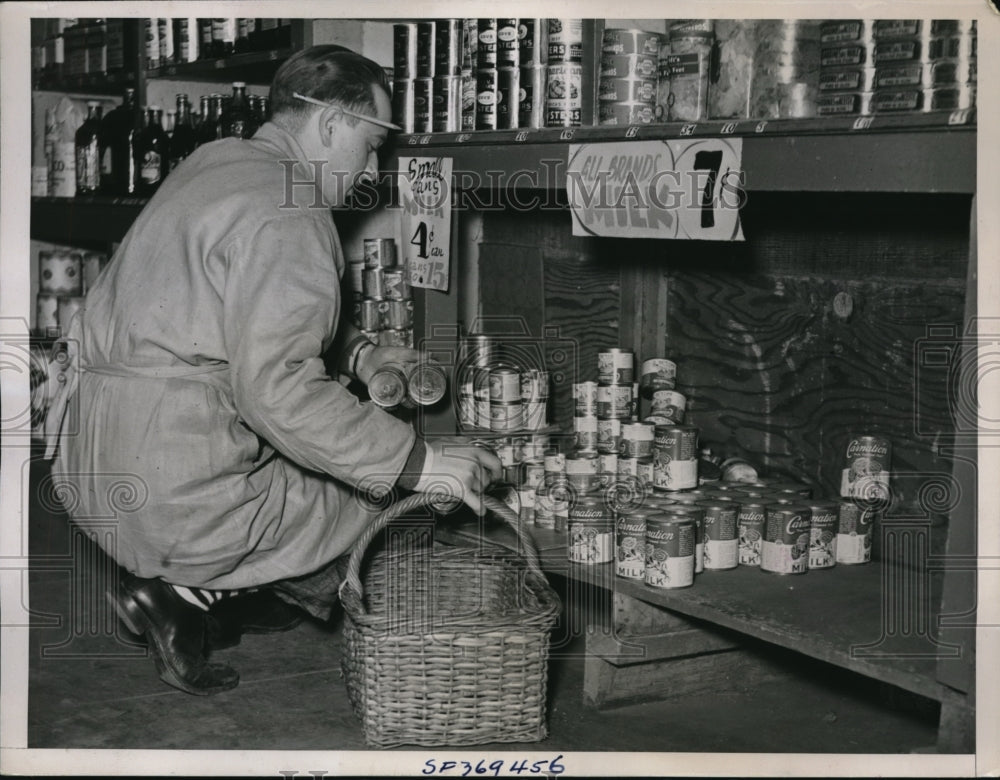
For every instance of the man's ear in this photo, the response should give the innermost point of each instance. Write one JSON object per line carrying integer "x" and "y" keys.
{"x": 329, "y": 120}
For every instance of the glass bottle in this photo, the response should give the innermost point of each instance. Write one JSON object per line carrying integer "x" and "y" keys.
{"x": 184, "y": 140}
{"x": 120, "y": 132}
{"x": 223, "y": 36}
{"x": 152, "y": 153}
{"x": 237, "y": 119}
{"x": 88, "y": 154}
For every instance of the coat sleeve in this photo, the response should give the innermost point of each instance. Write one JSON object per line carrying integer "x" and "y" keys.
{"x": 281, "y": 304}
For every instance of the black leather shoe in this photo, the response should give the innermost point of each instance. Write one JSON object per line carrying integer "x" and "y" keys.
{"x": 175, "y": 634}
{"x": 260, "y": 612}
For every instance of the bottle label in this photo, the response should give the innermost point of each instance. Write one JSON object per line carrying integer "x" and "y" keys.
{"x": 224, "y": 30}
{"x": 62, "y": 181}
{"x": 150, "y": 171}
{"x": 88, "y": 175}
{"x": 237, "y": 129}
{"x": 106, "y": 162}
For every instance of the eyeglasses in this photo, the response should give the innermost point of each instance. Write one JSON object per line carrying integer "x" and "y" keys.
{"x": 363, "y": 117}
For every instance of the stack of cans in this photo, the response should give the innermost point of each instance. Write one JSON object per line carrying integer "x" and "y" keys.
{"x": 498, "y": 74}
{"x": 897, "y": 65}
{"x": 383, "y": 298}
{"x": 564, "y": 78}
{"x": 630, "y": 99}
{"x": 428, "y": 60}
{"x": 785, "y": 81}
{"x": 496, "y": 394}
{"x": 64, "y": 277}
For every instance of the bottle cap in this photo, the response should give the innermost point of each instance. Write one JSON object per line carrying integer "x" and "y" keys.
{"x": 154, "y": 108}
{"x": 240, "y": 84}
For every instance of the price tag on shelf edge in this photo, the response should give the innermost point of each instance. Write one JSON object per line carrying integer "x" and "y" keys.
{"x": 679, "y": 189}
{"x": 425, "y": 197}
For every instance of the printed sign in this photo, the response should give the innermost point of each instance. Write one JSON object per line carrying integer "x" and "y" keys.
{"x": 657, "y": 189}
{"x": 425, "y": 198}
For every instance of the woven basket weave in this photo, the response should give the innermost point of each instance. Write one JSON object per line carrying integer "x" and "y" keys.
{"x": 447, "y": 646}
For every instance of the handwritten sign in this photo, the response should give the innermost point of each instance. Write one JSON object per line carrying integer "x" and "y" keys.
{"x": 425, "y": 194}
{"x": 678, "y": 189}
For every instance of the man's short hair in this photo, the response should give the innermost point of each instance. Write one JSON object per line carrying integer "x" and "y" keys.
{"x": 331, "y": 73}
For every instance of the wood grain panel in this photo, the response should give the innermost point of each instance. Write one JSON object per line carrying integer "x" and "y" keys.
{"x": 582, "y": 302}
{"x": 772, "y": 373}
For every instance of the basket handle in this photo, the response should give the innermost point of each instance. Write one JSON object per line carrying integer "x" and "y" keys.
{"x": 352, "y": 579}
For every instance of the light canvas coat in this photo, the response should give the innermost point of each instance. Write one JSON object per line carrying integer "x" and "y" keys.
{"x": 202, "y": 383}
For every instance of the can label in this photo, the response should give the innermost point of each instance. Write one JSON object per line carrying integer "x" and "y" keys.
{"x": 785, "y": 549}
{"x": 423, "y": 105}
{"x": 839, "y": 32}
{"x": 585, "y": 429}
{"x": 675, "y": 458}
{"x": 615, "y": 367}
{"x": 846, "y": 103}
{"x": 578, "y": 465}
{"x": 843, "y": 55}
{"x": 900, "y": 100}
{"x": 505, "y": 416}
{"x": 403, "y": 107}
{"x": 669, "y": 404}
{"x": 508, "y": 98}
{"x": 848, "y": 79}
{"x": 563, "y": 104}
{"x": 623, "y": 90}
{"x": 897, "y": 50}
{"x": 566, "y": 40}
{"x": 617, "y": 41}
{"x": 487, "y": 95}
{"x": 447, "y": 104}
{"x": 505, "y": 386}
{"x": 379, "y": 252}
{"x": 637, "y": 440}
{"x": 534, "y": 385}
{"x": 531, "y": 96}
{"x": 486, "y": 52}
{"x": 854, "y": 533}
{"x": 373, "y": 283}
{"x": 752, "y": 519}
{"x": 426, "y": 38}
{"x": 532, "y": 41}
{"x": 397, "y": 314}
{"x": 643, "y": 66}
{"x": 448, "y": 47}
{"x": 641, "y": 468}
{"x": 961, "y": 47}
{"x": 823, "y": 537}
{"x": 507, "y": 44}
{"x": 896, "y": 28}
{"x": 533, "y": 473}
{"x": 630, "y": 546}
{"x": 670, "y": 553}
{"x": 469, "y": 103}
{"x": 866, "y": 468}
{"x": 721, "y": 541}
{"x": 614, "y": 401}
{"x": 402, "y": 337}
{"x": 585, "y": 398}
{"x": 367, "y": 315}
{"x": 658, "y": 374}
{"x": 607, "y": 463}
{"x": 626, "y": 113}
{"x": 555, "y": 463}
{"x": 609, "y": 434}
{"x": 397, "y": 285}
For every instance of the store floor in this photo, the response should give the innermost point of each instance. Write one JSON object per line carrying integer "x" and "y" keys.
{"x": 91, "y": 687}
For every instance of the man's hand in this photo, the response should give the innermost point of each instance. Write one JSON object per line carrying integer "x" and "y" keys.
{"x": 373, "y": 358}
{"x": 460, "y": 471}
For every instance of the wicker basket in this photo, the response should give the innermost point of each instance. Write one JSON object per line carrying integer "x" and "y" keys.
{"x": 447, "y": 646}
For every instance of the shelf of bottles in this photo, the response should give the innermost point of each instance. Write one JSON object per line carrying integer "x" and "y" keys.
{"x": 84, "y": 56}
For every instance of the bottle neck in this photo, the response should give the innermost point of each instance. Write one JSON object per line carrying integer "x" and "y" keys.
{"x": 239, "y": 96}
{"x": 183, "y": 116}
{"x": 94, "y": 113}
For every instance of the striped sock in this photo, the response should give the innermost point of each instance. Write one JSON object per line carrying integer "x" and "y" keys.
{"x": 202, "y": 597}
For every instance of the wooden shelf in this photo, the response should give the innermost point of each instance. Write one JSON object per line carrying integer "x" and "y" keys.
{"x": 110, "y": 84}
{"x": 84, "y": 218}
{"x": 256, "y": 67}
{"x": 833, "y": 615}
{"x": 932, "y": 152}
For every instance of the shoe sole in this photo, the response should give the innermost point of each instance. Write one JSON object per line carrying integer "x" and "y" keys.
{"x": 135, "y": 620}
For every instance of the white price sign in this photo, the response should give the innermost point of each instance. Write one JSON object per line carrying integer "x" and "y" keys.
{"x": 425, "y": 198}
{"x": 657, "y": 189}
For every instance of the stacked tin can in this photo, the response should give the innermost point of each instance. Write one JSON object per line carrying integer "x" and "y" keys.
{"x": 631, "y": 99}
{"x": 888, "y": 66}
{"x": 382, "y": 296}
{"x": 564, "y": 76}
{"x": 684, "y": 66}
{"x": 428, "y": 59}
{"x": 64, "y": 277}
